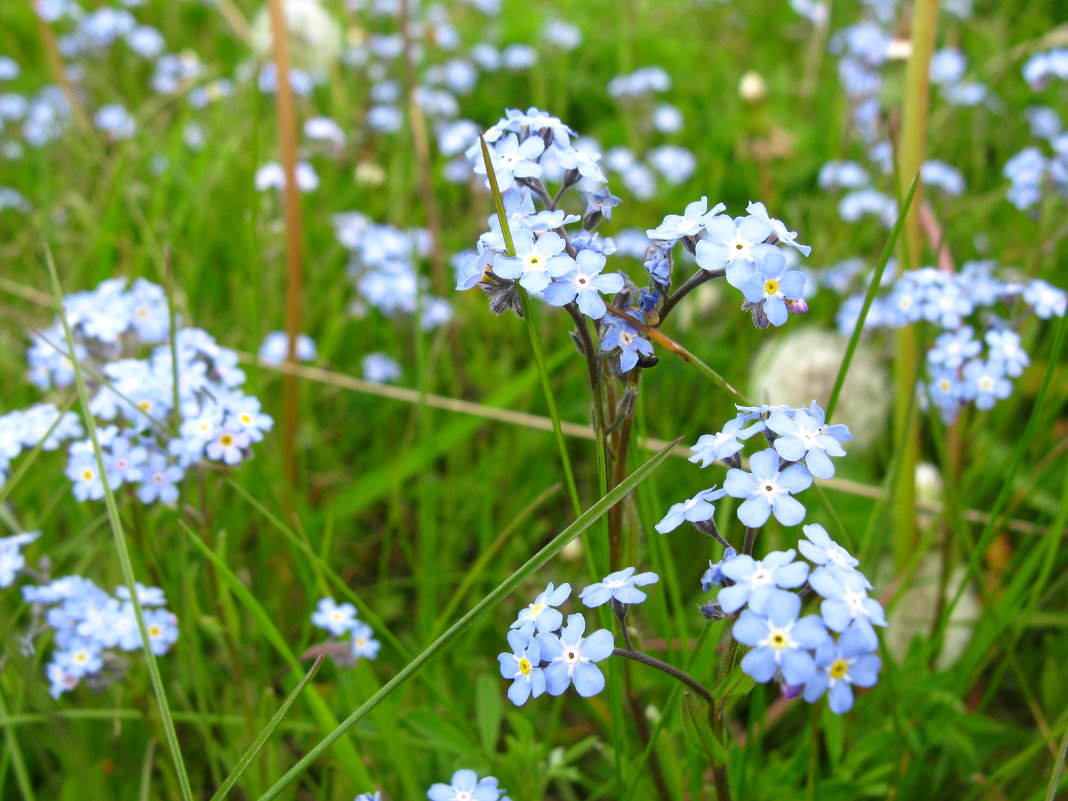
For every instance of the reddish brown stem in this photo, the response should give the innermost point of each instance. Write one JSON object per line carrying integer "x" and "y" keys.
{"x": 287, "y": 129}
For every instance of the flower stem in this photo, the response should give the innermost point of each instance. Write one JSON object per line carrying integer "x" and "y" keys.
{"x": 287, "y": 132}
{"x": 664, "y": 667}
{"x": 691, "y": 284}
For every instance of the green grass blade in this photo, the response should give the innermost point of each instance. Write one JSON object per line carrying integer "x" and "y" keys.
{"x": 873, "y": 288}
{"x": 326, "y": 719}
{"x": 22, "y": 776}
{"x": 535, "y": 339}
{"x": 557, "y": 544}
{"x": 268, "y": 730}
{"x": 120, "y": 544}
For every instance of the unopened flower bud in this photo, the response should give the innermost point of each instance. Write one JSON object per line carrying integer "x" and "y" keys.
{"x": 799, "y": 306}
{"x": 713, "y": 611}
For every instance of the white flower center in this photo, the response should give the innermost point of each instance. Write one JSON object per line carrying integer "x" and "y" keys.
{"x": 778, "y": 639}
{"x": 761, "y": 576}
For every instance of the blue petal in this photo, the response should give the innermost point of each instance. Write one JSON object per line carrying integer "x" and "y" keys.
{"x": 797, "y": 666}
{"x": 788, "y": 510}
{"x": 740, "y": 568}
{"x": 765, "y": 464}
{"x": 630, "y": 595}
{"x": 775, "y": 309}
{"x": 556, "y": 678}
{"x": 816, "y": 686}
{"x": 750, "y": 628}
{"x": 534, "y": 282}
{"x": 591, "y": 305}
{"x": 595, "y": 595}
{"x": 791, "y": 576}
{"x": 795, "y": 478}
{"x": 560, "y": 293}
{"x": 588, "y": 679}
{"x": 508, "y": 665}
{"x": 792, "y": 449}
{"x": 836, "y": 614}
{"x": 826, "y": 582}
{"x": 598, "y": 645}
{"x": 551, "y": 647}
{"x": 783, "y": 607}
{"x": 755, "y": 511}
{"x": 760, "y": 664}
{"x": 733, "y": 598}
{"x": 549, "y": 620}
{"x": 819, "y": 464}
{"x": 739, "y": 483}
{"x": 865, "y": 671}
{"x": 792, "y": 284}
{"x": 559, "y": 595}
{"x": 519, "y": 692}
{"x": 810, "y": 631}
{"x": 840, "y": 697}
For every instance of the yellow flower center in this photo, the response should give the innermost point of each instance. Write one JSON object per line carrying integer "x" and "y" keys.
{"x": 154, "y": 630}
{"x": 226, "y": 440}
{"x": 839, "y": 668}
{"x": 246, "y": 418}
{"x": 778, "y": 640}
{"x": 524, "y": 666}
{"x": 145, "y": 405}
{"x": 771, "y": 287}
{"x": 88, "y": 475}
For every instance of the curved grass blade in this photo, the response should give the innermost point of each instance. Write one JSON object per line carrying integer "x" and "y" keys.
{"x": 324, "y": 717}
{"x": 584, "y": 521}
{"x": 268, "y": 730}
{"x": 532, "y": 330}
{"x": 869, "y": 296}
{"x": 120, "y": 544}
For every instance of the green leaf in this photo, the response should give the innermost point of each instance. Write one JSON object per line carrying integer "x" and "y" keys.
{"x": 697, "y": 733}
{"x": 488, "y": 711}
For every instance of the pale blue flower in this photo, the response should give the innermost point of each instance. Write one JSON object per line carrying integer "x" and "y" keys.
{"x": 571, "y": 657}
{"x": 522, "y": 666}
{"x": 840, "y": 667}
{"x": 780, "y": 639}
{"x": 621, "y": 586}
{"x": 767, "y": 490}
{"x": 755, "y": 581}
{"x": 541, "y": 614}
{"x": 694, "y": 510}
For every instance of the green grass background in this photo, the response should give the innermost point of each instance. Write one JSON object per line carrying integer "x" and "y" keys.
{"x": 400, "y": 500}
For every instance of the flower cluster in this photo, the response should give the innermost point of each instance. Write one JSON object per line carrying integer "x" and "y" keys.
{"x": 90, "y": 628}
{"x": 567, "y": 268}
{"x": 340, "y": 621}
{"x": 979, "y": 350}
{"x": 1032, "y": 173}
{"x": 800, "y": 651}
{"x": 548, "y": 655}
{"x": 383, "y": 264}
{"x": 11, "y": 557}
{"x": 801, "y": 444}
{"x": 150, "y": 432}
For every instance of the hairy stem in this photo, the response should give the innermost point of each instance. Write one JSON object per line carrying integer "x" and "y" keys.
{"x": 691, "y": 284}
{"x": 664, "y": 667}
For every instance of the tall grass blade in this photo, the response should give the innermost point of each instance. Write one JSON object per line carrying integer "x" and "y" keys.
{"x": 120, "y": 543}
{"x": 584, "y": 521}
